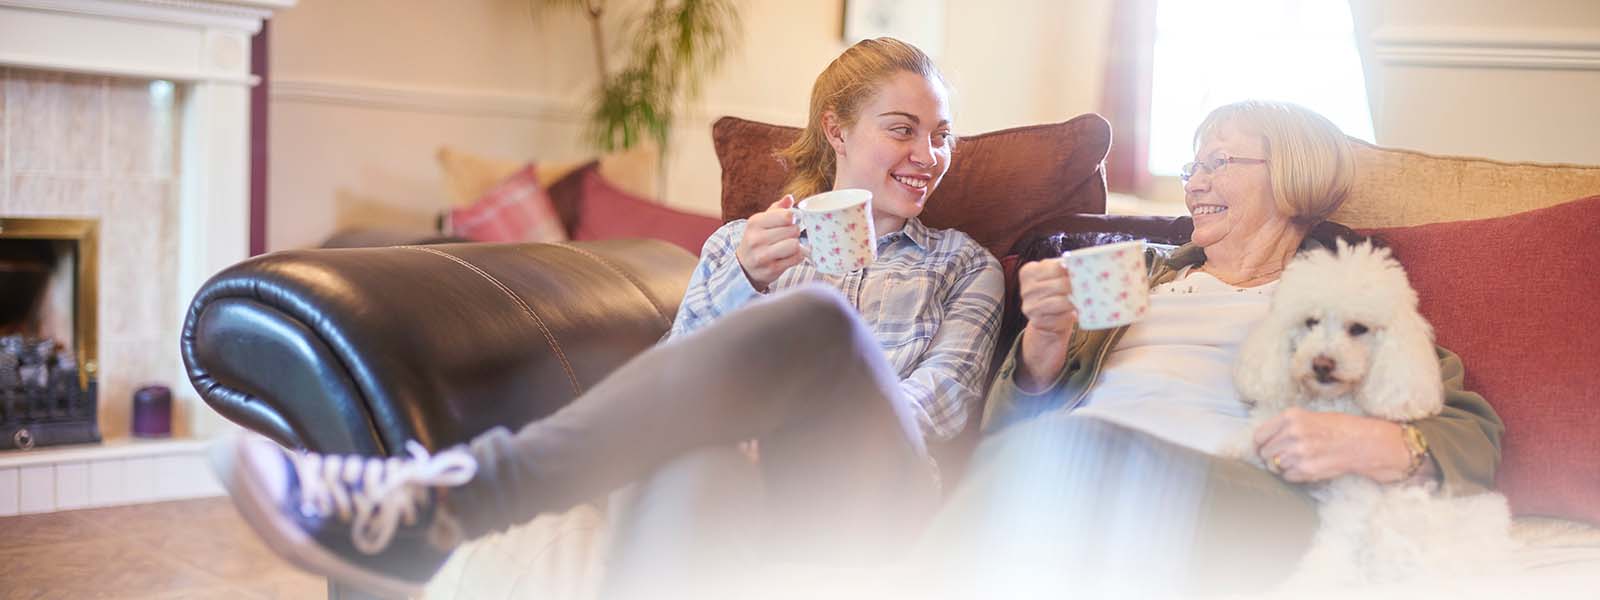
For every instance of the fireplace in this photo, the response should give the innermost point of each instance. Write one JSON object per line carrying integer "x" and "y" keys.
{"x": 48, "y": 364}
{"x": 132, "y": 114}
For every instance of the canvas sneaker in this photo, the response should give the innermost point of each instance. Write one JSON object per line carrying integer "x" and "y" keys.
{"x": 360, "y": 520}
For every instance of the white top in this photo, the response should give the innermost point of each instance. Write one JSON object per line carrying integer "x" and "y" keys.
{"x": 1171, "y": 374}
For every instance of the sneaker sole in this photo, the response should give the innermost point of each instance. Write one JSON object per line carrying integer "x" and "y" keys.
{"x": 284, "y": 537}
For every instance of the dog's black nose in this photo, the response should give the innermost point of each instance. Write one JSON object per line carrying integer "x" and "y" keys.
{"x": 1323, "y": 367}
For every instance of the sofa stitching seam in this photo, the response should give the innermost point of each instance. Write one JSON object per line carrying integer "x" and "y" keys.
{"x": 544, "y": 329}
{"x": 660, "y": 310}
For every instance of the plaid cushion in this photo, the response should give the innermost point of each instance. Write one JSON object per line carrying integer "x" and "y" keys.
{"x": 515, "y": 210}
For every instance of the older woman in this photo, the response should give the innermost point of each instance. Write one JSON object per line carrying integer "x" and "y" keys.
{"x": 1113, "y": 433}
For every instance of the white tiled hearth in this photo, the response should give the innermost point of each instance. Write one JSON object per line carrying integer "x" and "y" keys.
{"x": 121, "y": 471}
{"x": 135, "y": 113}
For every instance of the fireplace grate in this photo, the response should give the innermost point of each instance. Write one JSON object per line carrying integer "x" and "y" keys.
{"x": 44, "y": 400}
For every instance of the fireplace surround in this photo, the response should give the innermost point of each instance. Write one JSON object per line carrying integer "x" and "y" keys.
{"x": 177, "y": 213}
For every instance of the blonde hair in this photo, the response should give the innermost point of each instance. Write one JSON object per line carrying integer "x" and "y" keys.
{"x": 849, "y": 82}
{"x": 1309, "y": 160}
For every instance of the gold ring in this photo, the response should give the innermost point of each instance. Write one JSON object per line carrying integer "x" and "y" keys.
{"x": 1276, "y": 466}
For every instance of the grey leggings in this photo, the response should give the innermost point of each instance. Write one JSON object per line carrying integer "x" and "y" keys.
{"x": 843, "y": 466}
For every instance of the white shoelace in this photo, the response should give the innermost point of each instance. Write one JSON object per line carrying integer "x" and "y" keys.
{"x": 376, "y": 495}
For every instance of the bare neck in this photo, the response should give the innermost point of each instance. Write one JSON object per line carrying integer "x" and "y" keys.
{"x": 883, "y": 225}
{"x": 1256, "y": 260}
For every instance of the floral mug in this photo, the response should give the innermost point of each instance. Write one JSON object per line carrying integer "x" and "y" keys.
{"x": 839, "y": 230}
{"x": 1110, "y": 285}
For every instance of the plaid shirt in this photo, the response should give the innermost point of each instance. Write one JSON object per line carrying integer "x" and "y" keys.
{"x": 933, "y": 299}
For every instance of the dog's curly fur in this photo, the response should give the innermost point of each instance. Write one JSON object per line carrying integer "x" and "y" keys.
{"x": 1343, "y": 334}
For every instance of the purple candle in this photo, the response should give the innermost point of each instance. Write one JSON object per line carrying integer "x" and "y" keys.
{"x": 152, "y": 411}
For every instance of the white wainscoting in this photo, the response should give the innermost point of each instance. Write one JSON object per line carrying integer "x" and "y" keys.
{"x": 1507, "y": 93}
{"x": 1489, "y": 48}
{"x": 482, "y": 103}
{"x": 471, "y": 103}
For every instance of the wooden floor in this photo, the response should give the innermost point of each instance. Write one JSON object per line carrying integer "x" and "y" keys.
{"x": 182, "y": 549}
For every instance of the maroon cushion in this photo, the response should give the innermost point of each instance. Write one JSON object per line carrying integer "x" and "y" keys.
{"x": 1001, "y": 186}
{"x": 1513, "y": 296}
{"x": 608, "y": 212}
{"x": 566, "y": 194}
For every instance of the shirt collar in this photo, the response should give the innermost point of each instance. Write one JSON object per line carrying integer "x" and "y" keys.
{"x": 913, "y": 230}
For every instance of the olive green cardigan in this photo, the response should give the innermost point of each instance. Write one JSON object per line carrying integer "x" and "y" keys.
{"x": 1464, "y": 439}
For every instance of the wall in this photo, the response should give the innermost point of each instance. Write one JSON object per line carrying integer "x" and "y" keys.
{"x": 1505, "y": 80}
{"x": 364, "y": 91}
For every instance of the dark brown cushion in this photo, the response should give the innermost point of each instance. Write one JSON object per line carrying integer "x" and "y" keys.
{"x": 1001, "y": 187}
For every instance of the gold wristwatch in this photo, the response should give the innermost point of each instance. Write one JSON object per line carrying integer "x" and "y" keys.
{"x": 1416, "y": 445}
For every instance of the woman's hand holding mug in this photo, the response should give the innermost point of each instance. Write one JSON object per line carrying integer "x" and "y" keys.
{"x": 1100, "y": 287}
{"x": 770, "y": 244}
{"x": 1044, "y": 286}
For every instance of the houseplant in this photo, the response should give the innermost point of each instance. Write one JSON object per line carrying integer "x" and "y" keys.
{"x": 675, "y": 44}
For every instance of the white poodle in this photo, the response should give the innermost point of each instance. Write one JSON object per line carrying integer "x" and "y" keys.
{"x": 1343, "y": 334}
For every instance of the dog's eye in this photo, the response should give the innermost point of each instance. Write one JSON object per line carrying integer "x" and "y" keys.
{"x": 1356, "y": 329}
{"x": 1312, "y": 322}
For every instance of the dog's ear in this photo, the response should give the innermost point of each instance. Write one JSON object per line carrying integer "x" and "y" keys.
{"x": 1262, "y": 374}
{"x": 1403, "y": 383}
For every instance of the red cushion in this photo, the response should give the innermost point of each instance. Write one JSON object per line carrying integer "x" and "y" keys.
{"x": 1514, "y": 297}
{"x": 1002, "y": 186}
{"x": 515, "y": 210}
{"x": 608, "y": 212}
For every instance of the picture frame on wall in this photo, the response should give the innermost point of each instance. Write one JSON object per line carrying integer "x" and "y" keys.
{"x": 919, "y": 22}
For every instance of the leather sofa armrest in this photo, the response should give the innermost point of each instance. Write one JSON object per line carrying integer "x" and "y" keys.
{"x": 358, "y": 350}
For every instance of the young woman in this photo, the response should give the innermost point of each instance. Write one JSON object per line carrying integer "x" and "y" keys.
{"x": 841, "y": 379}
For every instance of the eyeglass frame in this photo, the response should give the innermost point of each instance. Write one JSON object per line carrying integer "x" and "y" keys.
{"x": 1190, "y": 169}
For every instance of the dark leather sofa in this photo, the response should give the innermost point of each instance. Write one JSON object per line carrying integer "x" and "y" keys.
{"x": 357, "y": 350}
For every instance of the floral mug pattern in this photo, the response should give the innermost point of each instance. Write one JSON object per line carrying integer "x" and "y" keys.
{"x": 1109, "y": 284}
{"x": 839, "y": 230}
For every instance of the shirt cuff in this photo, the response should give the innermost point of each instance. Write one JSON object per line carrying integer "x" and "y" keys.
{"x": 730, "y": 289}
{"x": 1008, "y": 371}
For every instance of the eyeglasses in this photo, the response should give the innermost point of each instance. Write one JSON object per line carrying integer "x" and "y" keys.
{"x": 1210, "y": 166}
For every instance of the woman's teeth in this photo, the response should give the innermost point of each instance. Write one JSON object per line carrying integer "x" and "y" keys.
{"x": 1207, "y": 210}
{"x": 916, "y": 183}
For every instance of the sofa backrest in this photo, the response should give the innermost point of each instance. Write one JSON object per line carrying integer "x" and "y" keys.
{"x": 1400, "y": 188}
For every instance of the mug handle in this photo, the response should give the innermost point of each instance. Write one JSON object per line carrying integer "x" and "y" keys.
{"x": 1062, "y": 260}
{"x": 800, "y": 221}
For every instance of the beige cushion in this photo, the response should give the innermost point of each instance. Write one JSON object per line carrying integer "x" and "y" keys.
{"x": 467, "y": 175}
{"x": 1397, "y": 188}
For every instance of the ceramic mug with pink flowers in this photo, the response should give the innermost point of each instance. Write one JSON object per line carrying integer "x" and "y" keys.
{"x": 1110, "y": 286}
{"x": 839, "y": 230}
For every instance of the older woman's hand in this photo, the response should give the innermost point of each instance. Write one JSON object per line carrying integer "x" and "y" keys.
{"x": 770, "y": 244}
{"x": 1306, "y": 446}
{"x": 1044, "y": 285}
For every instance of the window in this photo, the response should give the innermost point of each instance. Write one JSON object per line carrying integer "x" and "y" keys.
{"x": 1212, "y": 52}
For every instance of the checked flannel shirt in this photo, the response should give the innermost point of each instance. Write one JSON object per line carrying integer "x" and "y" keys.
{"x": 933, "y": 298}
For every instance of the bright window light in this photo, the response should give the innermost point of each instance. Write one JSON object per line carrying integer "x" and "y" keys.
{"x": 1212, "y": 52}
